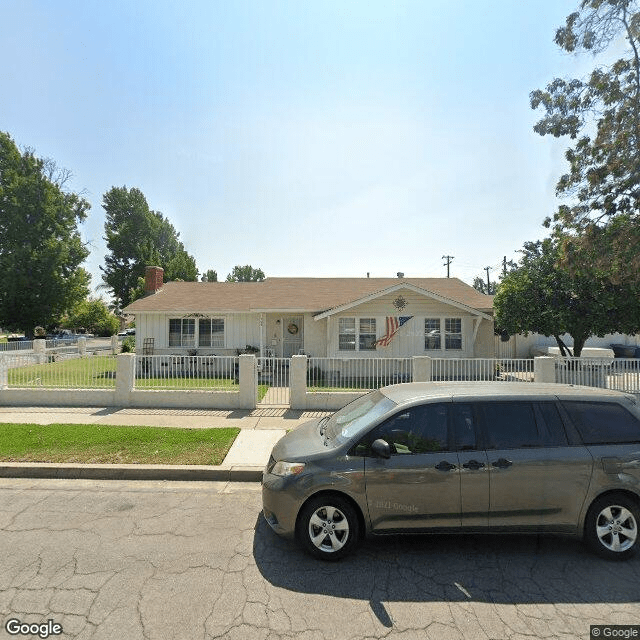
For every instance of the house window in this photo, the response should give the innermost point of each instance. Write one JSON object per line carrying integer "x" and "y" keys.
{"x": 182, "y": 332}
{"x": 347, "y": 334}
{"x": 357, "y": 334}
{"x": 432, "y": 333}
{"x": 211, "y": 333}
{"x": 367, "y": 334}
{"x": 453, "y": 333}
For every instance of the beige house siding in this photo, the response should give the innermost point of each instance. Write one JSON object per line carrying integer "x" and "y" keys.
{"x": 240, "y": 330}
{"x": 410, "y": 339}
{"x": 320, "y": 337}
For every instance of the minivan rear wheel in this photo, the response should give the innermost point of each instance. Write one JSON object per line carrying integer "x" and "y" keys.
{"x": 328, "y": 527}
{"x": 611, "y": 528}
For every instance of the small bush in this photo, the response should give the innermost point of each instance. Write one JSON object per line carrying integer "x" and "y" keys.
{"x": 129, "y": 345}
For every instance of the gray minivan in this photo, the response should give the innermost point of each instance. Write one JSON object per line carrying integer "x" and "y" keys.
{"x": 460, "y": 457}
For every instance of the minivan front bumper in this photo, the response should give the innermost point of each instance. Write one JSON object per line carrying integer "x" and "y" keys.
{"x": 280, "y": 504}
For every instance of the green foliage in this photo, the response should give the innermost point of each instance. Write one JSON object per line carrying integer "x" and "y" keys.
{"x": 94, "y": 316}
{"x": 128, "y": 345}
{"x": 601, "y": 113}
{"x": 136, "y": 238}
{"x": 479, "y": 284}
{"x": 210, "y": 276}
{"x": 245, "y": 274}
{"x": 41, "y": 249}
{"x": 543, "y": 297}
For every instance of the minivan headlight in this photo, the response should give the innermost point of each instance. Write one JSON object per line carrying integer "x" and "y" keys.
{"x": 283, "y": 468}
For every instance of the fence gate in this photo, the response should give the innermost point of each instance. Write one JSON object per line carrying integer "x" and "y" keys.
{"x": 273, "y": 382}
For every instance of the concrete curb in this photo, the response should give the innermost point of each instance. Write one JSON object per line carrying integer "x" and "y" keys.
{"x": 237, "y": 473}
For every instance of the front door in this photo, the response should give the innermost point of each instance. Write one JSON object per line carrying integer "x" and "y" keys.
{"x": 293, "y": 336}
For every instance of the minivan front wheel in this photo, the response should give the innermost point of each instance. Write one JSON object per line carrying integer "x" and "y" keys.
{"x": 612, "y": 526}
{"x": 328, "y": 527}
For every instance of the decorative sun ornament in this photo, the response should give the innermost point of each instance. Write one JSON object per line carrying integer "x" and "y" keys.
{"x": 400, "y": 303}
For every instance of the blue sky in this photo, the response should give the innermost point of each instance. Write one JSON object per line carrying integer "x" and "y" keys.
{"x": 313, "y": 138}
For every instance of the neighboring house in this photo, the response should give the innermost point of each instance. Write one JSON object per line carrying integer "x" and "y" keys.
{"x": 322, "y": 317}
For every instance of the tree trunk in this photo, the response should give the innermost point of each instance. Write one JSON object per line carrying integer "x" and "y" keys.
{"x": 578, "y": 344}
{"x": 565, "y": 352}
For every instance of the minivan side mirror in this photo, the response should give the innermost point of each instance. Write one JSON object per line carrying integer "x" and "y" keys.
{"x": 381, "y": 448}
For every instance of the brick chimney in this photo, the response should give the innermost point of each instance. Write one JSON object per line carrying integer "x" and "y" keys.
{"x": 153, "y": 280}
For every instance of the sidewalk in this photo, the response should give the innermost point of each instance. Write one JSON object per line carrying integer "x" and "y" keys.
{"x": 260, "y": 430}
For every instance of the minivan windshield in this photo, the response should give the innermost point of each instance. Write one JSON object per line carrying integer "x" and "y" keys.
{"x": 356, "y": 417}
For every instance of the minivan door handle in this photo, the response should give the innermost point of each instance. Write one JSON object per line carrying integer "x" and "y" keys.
{"x": 502, "y": 463}
{"x": 473, "y": 464}
{"x": 445, "y": 465}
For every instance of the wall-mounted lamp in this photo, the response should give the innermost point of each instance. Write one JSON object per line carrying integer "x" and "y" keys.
{"x": 277, "y": 321}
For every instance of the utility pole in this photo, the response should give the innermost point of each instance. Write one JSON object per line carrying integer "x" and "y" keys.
{"x": 504, "y": 266}
{"x": 487, "y": 269}
{"x": 448, "y": 259}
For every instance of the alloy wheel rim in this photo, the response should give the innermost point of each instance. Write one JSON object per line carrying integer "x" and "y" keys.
{"x": 328, "y": 529}
{"x": 616, "y": 528}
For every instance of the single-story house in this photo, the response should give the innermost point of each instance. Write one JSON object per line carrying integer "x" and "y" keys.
{"x": 321, "y": 317}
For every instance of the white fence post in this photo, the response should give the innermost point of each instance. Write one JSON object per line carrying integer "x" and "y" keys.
{"x": 82, "y": 346}
{"x": 544, "y": 369}
{"x": 4, "y": 373}
{"x": 422, "y": 369}
{"x": 114, "y": 345}
{"x": 40, "y": 350}
{"x": 248, "y": 379}
{"x": 298, "y": 383}
{"x": 125, "y": 375}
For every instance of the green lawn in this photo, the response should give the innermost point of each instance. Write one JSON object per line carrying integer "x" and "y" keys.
{"x": 176, "y": 384}
{"x": 333, "y": 389}
{"x": 110, "y": 444}
{"x": 99, "y": 372}
{"x": 92, "y": 372}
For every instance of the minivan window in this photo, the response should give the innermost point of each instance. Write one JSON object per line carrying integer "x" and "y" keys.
{"x": 357, "y": 416}
{"x": 464, "y": 429}
{"x": 510, "y": 425}
{"x": 419, "y": 429}
{"x": 550, "y": 425}
{"x": 603, "y": 422}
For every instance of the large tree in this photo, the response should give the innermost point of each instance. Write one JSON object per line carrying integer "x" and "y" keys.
{"x": 600, "y": 223}
{"x": 210, "y": 275}
{"x": 137, "y": 237}
{"x": 94, "y": 316}
{"x": 542, "y": 296}
{"x": 245, "y": 273}
{"x": 40, "y": 249}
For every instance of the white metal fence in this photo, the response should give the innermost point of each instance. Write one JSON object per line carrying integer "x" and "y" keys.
{"x": 273, "y": 381}
{"x": 187, "y": 372}
{"x": 482, "y": 369}
{"x": 59, "y": 371}
{"x": 326, "y": 374}
{"x": 620, "y": 374}
{"x": 17, "y": 345}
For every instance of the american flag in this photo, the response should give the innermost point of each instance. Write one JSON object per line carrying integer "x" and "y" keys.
{"x": 393, "y": 324}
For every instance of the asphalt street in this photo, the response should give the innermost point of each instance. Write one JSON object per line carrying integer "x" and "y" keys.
{"x": 195, "y": 560}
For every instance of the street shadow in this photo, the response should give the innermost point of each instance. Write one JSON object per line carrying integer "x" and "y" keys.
{"x": 514, "y": 569}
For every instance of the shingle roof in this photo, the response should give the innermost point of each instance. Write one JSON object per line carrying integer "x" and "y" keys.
{"x": 294, "y": 294}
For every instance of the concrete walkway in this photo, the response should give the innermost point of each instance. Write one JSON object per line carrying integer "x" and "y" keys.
{"x": 260, "y": 430}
